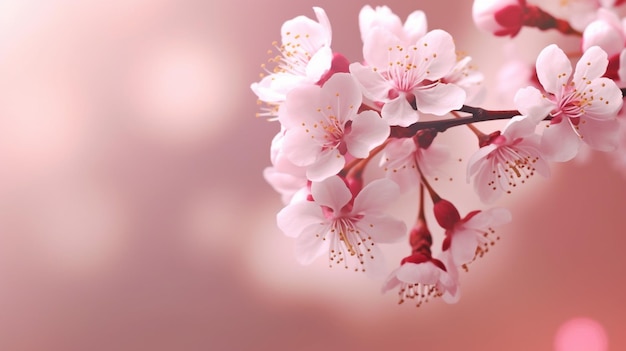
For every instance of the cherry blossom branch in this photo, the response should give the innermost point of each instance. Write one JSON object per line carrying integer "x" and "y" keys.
{"x": 478, "y": 115}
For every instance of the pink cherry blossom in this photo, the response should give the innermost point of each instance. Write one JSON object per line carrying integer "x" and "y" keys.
{"x": 322, "y": 126}
{"x": 285, "y": 177}
{"x": 406, "y": 78}
{"x": 607, "y": 32}
{"x": 510, "y": 157}
{"x": 414, "y": 27}
{"x": 584, "y": 104}
{"x": 341, "y": 227}
{"x": 403, "y": 159}
{"x": 499, "y": 17}
{"x": 421, "y": 277}
{"x": 304, "y": 57}
{"x": 465, "y": 75}
{"x": 471, "y": 236}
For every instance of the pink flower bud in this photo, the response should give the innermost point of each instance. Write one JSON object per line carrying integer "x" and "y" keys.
{"x": 605, "y": 32}
{"x": 499, "y": 17}
{"x": 446, "y": 214}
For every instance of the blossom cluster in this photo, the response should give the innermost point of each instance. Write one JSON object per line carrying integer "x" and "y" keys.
{"x": 412, "y": 84}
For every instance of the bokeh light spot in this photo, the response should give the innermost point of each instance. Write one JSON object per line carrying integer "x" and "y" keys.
{"x": 581, "y": 334}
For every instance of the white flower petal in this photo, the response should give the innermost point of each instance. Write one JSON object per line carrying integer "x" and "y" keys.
{"x": 607, "y": 99}
{"x": 439, "y": 99}
{"x": 437, "y": 49}
{"x": 419, "y": 273}
{"x": 368, "y": 131}
{"x": 600, "y": 135}
{"x": 294, "y": 218}
{"x": 342, "y": 93}
{"x": 331, "y": 192}
{"x": 328, "y": 163}
{"x": 398, "y": 112}
{"x": 376, "y": 196}
{"x": 309, "y": 245}
{"x": 463, "y": 246}
{"x": 533, "y": 104}
{"x": 374, "y": 86}
{"x": 553, "y": 68}
{"x": 559, "y": 142}
{"x": 415, "y": 26}
{"x": 591, "y": 65}
{"x": 319, "y": 64}
{"x": 382, "y": 228}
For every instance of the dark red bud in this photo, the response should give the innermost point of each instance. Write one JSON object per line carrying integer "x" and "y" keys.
{"x": 446, "y": 214}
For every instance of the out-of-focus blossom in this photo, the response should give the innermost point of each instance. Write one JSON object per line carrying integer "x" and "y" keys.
{"x": 304, "y": 57}
{"x": 465, "y": 75}
{"x": 607, "y": 32}
{"x": 584, "y": 104}
{"x": 341, "y": 227}
{"x": 406, "y": 78}
{"x": 284, "y": 176}
{"x": 499, "y": 17}
{"x": 414, "y": 27}
{"x": 404, "y": 159}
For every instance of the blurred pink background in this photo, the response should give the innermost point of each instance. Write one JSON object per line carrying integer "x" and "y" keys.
{"x": 134, "y": 216}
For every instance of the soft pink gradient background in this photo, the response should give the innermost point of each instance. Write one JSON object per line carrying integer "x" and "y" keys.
{"x": 133, "y": 213}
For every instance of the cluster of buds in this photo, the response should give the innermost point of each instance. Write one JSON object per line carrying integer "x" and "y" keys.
{"x": 336, "y": 116}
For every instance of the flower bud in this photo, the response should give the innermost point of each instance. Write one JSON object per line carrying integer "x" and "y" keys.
{"x": 499, "y": 17}
{"x": 605, "y": 32}
{"x": 446, "y": 214}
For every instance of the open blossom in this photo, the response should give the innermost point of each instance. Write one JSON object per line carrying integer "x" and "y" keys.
{"x": 304, "y": 57}
{"x": 512, "y": 156}
{"x": 323, "y": 126}
{"x": 471, "y": 236}
{"x": 414, "y": 27}
{"x": 406, "y": 78}
{"x": 584, "y": 104}
{"x": 421, "y": 277}
{"x": 403, "y": 159}
{"x": 343, "y": 228}
{"x": 499, "y": 17}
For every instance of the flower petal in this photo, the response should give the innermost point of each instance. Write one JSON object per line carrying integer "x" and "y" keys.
{"x": 437, "y": 49}
{"x": 319, "y": 64}
{"x": 415, "y": 26}
{"x": 376, "y": 196}
{"x": 342, "y": 93}
{"x": 423, "y": 273}
{"x": 533, "y": 104}
{"x": 368, "y": 131}
{"x": 329, "y": 163}
{"x": 293, "y": 218}
{"x": 382, "y": 228}
{"x": 559, "y": 142}
{"x": 607, "y": 99}
{"x": 309, "y": 245}
{"x": 331, "y": 192}
{"x": 398, "y": 112}
{"x": 374, "y": 86}
{"x": 591, "y": 65}
{"x": 600, "y": 135}
{"x": 553, "y": 68}
{"x": 463, "y": 246}
{"x": 439, "y": 99}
